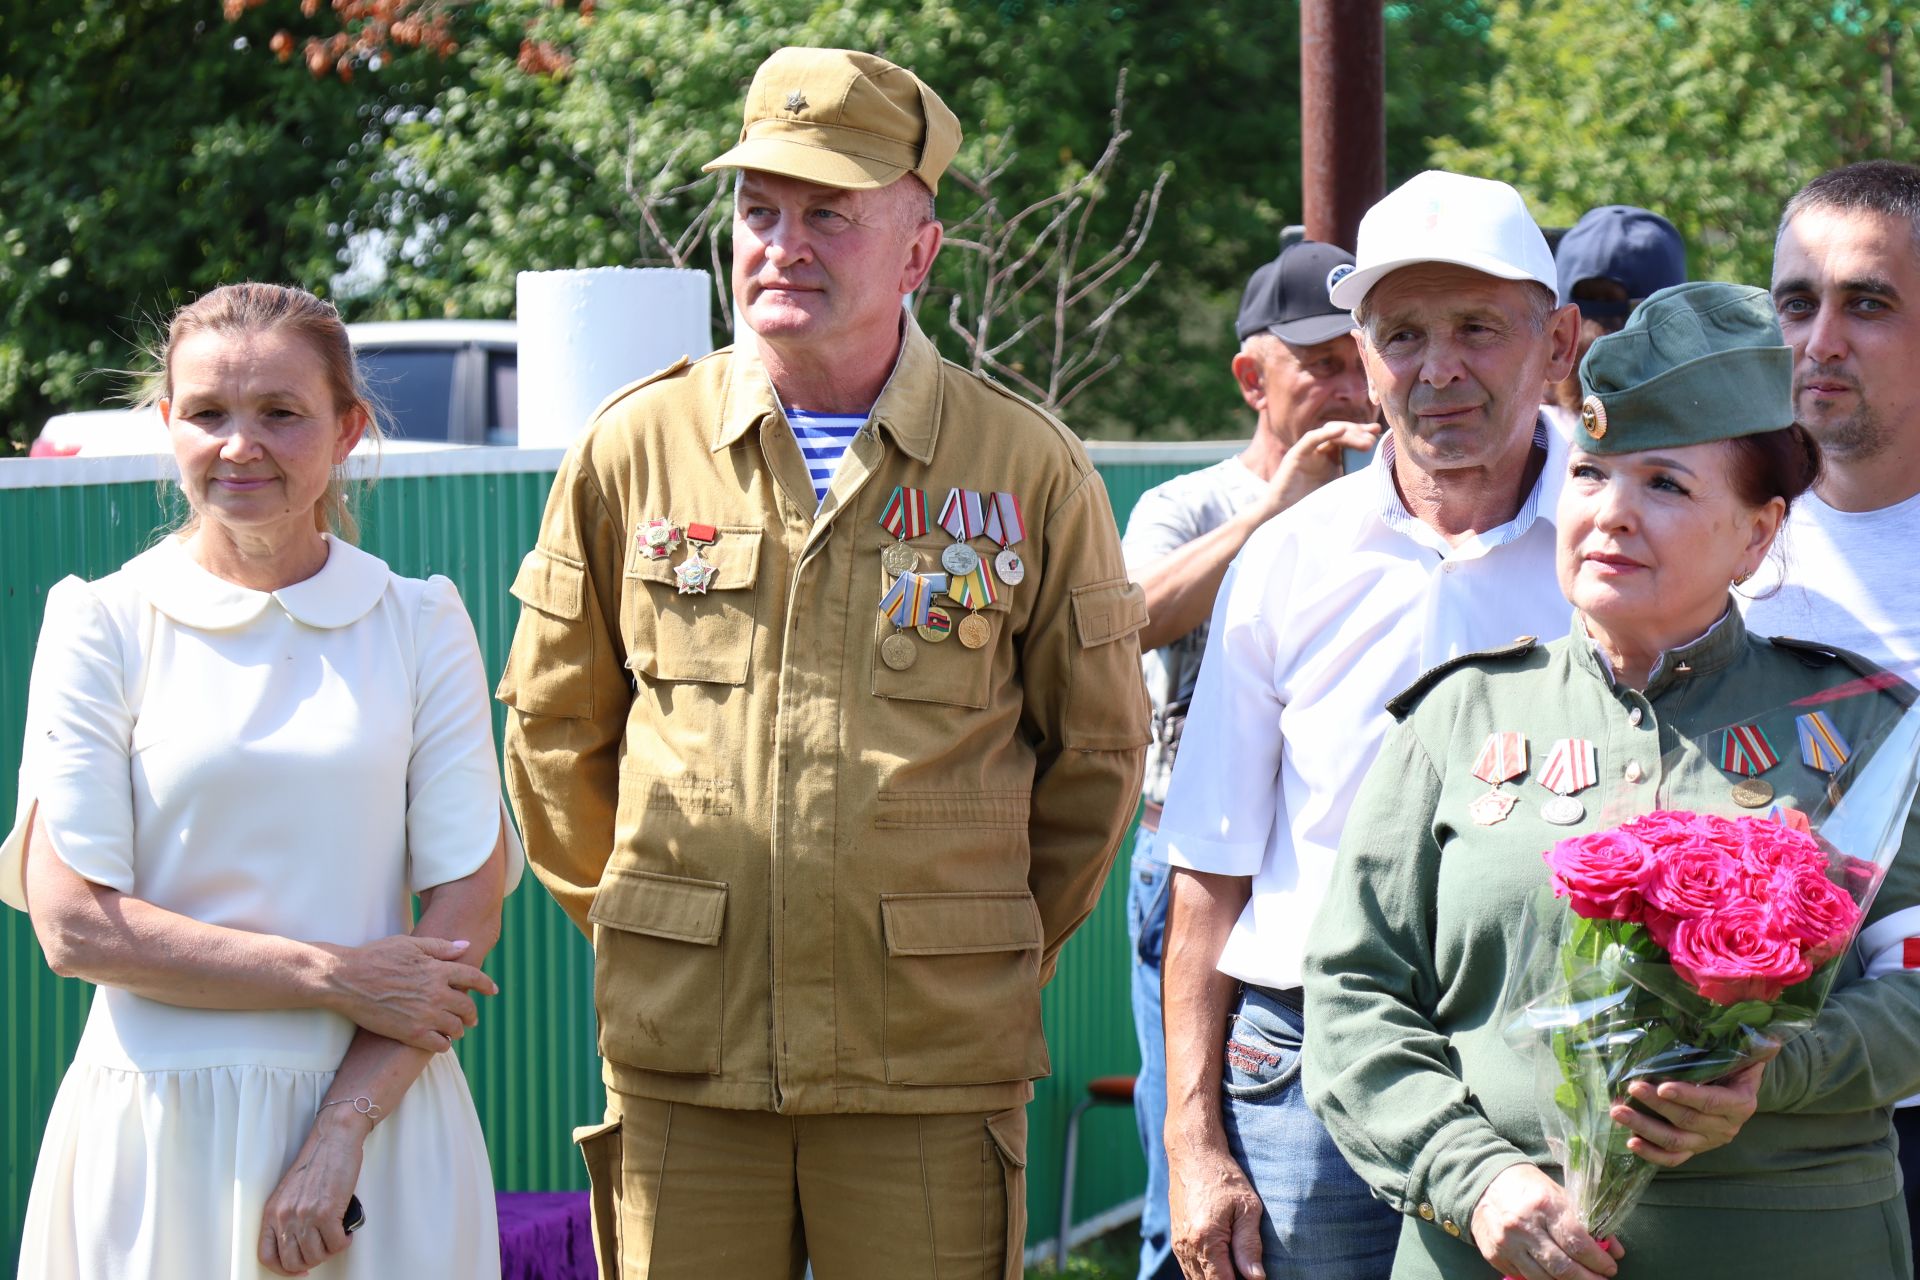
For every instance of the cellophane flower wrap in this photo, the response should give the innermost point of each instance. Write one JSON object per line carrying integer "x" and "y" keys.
{"x": 1681, "y": 945}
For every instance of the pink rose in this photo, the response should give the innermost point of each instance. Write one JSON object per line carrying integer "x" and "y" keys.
{"x": 1601, "y": 874}
{"x": 1766, "y": 847}
{"x": 1691, "y": 880}
{"x": 1734, "y": 955}
{"x": 1814, "y": 912}
{"x": 1666, "y": 827}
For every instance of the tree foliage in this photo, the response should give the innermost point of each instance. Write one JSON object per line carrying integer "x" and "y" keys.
{"x": 415, "y": 155}
{"x": 150, "y": 150}
{"x": 1712, "y": 113}
{"x": 520, "y": 169}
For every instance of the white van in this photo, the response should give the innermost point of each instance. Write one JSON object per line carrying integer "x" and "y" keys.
{"x": 446, "y": 382}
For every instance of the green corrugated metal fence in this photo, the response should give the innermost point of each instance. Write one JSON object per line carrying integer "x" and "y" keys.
{"x": 531, "y": 1061}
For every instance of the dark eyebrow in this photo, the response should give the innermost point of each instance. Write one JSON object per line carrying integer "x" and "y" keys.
{"x": 1796, "y": 284}
{"x": 1870, "y": 284}
{"x": 1658, "y": 460}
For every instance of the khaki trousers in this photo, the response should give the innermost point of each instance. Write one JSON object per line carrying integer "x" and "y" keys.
{"x": 687, "y": 1191}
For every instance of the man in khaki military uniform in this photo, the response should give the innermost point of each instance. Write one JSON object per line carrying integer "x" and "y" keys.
{"x": 827, "y": 849}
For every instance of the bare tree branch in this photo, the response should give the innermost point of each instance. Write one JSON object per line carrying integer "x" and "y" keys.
{"x": 1025, "y": 279}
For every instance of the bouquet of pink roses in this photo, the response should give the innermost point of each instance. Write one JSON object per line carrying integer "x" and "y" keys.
{"x": 1681, "y": 946}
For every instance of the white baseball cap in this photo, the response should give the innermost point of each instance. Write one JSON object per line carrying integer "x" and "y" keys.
{"x": 1446, "y": 217}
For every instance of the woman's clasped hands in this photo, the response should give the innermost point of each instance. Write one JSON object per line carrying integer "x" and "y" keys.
{"x": 407, "y": 988}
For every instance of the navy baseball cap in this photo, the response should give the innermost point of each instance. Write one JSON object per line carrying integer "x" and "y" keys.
{"x": 1288, "y": 296}
{"x": 1635, "y": 248}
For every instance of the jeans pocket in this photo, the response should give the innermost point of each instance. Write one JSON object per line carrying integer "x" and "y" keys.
{"x": 1149, "y": 885}
{"x": 1262, "y": 1057}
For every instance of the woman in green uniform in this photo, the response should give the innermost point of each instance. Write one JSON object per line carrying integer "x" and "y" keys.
{"x": 1683, "y": 467}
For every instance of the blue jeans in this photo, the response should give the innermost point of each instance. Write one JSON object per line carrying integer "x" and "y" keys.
{"x": 1147, "y": 892}
{"x": 1321, "y": 1222}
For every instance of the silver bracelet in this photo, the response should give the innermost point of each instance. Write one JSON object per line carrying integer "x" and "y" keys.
{"x": 364, "y": 1105}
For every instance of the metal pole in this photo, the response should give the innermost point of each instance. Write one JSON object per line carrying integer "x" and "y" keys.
{"x": 1343, "y": 119}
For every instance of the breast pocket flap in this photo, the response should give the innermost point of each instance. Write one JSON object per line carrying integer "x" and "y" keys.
{"x": 661, "y": 906}
{"x": 948, "y": 924}
{"x": 735, "y": 556}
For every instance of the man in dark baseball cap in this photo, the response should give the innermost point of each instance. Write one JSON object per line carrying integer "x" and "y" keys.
{"x": 1299, "y": 371}
{"x": 1616, "y": 257}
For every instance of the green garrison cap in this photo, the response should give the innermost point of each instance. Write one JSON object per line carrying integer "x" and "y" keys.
{"x": 1695, "y": 362}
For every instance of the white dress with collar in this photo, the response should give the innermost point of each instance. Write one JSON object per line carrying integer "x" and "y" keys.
{"x": 297, "y": 762}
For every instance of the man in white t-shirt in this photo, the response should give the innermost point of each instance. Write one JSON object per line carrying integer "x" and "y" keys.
{"x": 1443, "y": 546}
{"x": 1846, "y": 286}
{"x": 1299, "y": 371}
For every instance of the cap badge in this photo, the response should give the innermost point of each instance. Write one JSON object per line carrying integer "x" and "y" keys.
{"x": 1593, "y": 417}
{"x": 1338, "y": 274}
{"x": 796, "y": 101}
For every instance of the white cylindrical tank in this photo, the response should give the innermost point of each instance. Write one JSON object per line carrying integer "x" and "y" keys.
{"x": 585, "y": 334}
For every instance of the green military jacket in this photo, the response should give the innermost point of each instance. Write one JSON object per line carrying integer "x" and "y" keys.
{"x": 816, "y": 882}
{"x": 1408, "y": 959}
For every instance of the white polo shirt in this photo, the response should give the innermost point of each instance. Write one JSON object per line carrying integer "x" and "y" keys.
{"x": 1331, "y": 608}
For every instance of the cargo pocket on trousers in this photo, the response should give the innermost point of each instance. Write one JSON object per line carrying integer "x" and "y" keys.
{"x": 702, "y": 636}
{"x": 658, "y": 977}
{"x": 1007, "y": 1134}
{"x": 600, "y": 1148}
{"x": 550, "y": 667}
{"x": 961, "y": 988}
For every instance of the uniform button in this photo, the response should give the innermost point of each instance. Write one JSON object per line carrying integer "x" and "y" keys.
{"x": 1451, "y": 1228}
{"x": 1426, "y": 1212}
{"x": 1446, "y": 566}
{"x": 1633, "y": 717}
{"x": 1633, "y": 771}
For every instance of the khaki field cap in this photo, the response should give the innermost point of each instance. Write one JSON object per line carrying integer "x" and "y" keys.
{"x": 1696, "y": 362}
{"x": 842, "y": 119}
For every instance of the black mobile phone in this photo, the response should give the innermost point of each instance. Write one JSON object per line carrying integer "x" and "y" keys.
{"x": 355, "y": 1217}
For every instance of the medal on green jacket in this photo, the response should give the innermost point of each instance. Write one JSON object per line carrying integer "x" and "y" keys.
{"x": 1502, "y": 757}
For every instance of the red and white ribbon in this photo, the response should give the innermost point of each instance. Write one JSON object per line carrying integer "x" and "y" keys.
{"x": 1572, "y": 765}
{"x": 1503, "y": 756}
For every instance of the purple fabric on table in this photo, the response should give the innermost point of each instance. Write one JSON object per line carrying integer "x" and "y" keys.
{"x": 545, "y": 1235}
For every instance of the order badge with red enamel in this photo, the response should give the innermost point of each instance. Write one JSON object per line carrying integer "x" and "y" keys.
{"x": 696, "y": 573}
{"x": 657, "y": 538}
{"x": 1502, "y": 757}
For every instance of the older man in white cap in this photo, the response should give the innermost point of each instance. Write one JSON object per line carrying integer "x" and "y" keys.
{"x": 1441, "y": 547}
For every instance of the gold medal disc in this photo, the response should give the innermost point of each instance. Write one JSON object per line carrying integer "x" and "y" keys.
{"x": 937, "y": 627}
{"x": 1752, "y": 793}
{"x": 897, "y": 651}
{"x": 899, "y": 558}
{"x": 975, "y": 631}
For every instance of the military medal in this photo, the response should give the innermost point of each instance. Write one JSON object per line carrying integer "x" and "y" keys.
{"x": 1572, "y": 765}
{"x": 1006, "y": 526}
{"x": 905, "y": 517}
{"x": 696, "y": 573}
{"x": 897, "y": 651}
{"x": 1745, "y": 750}
{"x": 1502, "y": 756}
{"x": 963, "y": 517}
{"x": 937, "y": 627}
{"x": 973, "y": 591}
{"x": 1821, "y": 746}
{"x": 908, "y": 603}
{"x": 658, "y": 538}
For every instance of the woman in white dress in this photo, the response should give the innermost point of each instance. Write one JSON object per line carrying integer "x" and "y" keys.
{"x": 245, "y": 752}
